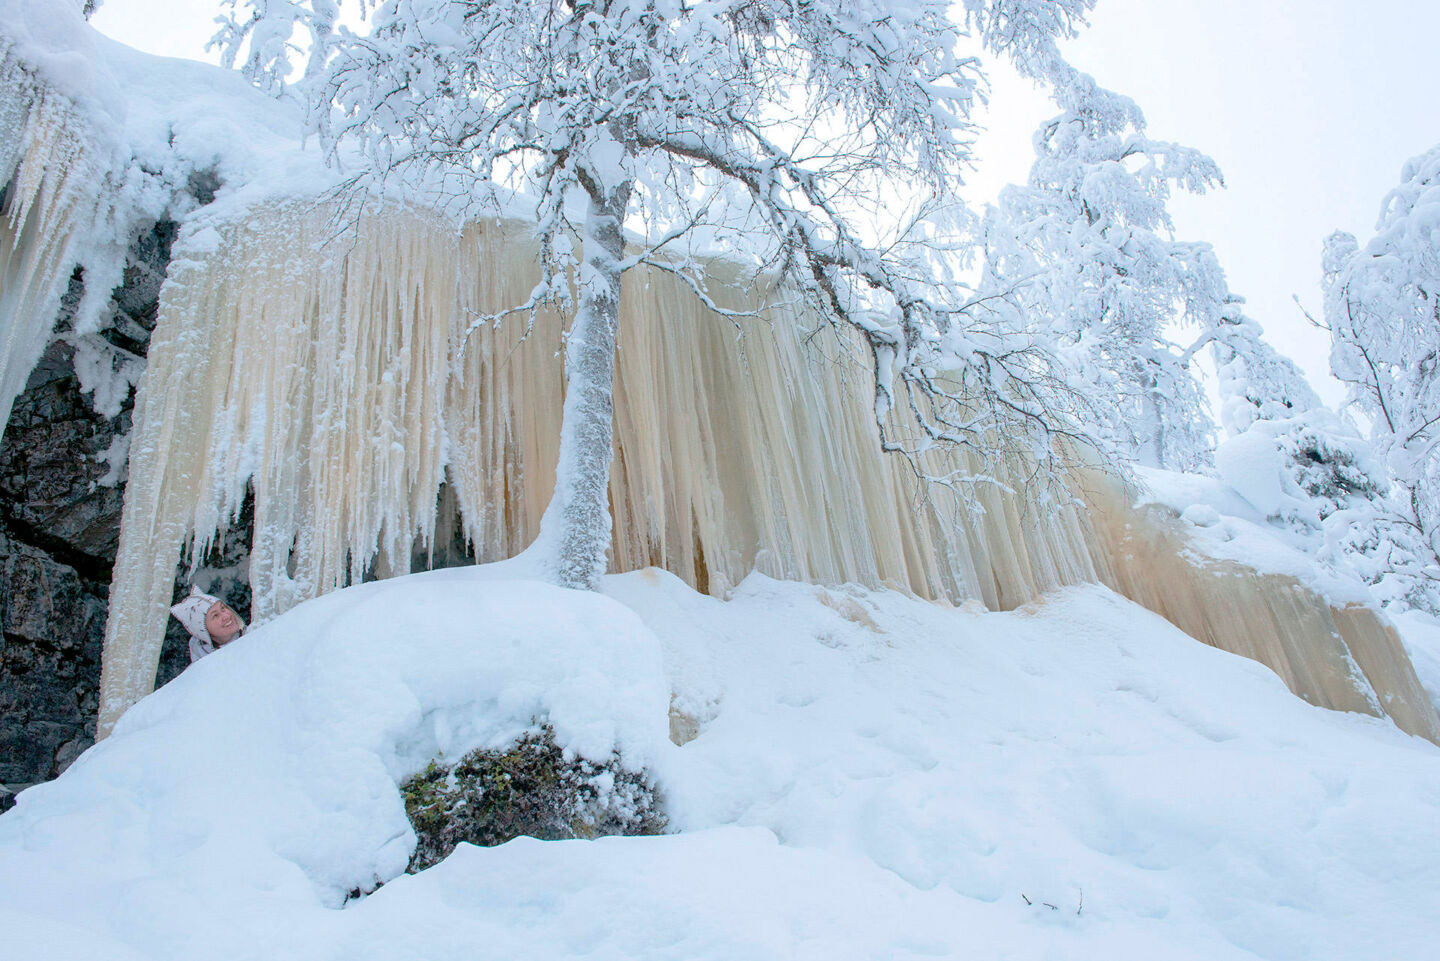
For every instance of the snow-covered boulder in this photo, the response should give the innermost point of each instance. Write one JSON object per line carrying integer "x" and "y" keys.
{"x": 276, "y": 761}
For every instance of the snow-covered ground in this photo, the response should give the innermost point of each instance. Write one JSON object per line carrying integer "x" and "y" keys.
{"x": 874, "y": 777}
{"x": 1235, "y": 517}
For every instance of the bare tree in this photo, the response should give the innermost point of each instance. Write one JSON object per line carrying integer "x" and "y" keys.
{"x": 824, "y": 139}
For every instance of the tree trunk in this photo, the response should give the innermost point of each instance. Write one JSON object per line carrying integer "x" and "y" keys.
{"x": 575, "y": 530}
{"x": 1151, "y": 433}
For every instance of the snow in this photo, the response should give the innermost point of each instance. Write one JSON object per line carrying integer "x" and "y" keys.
{"x": 54, "y": 39}
{"x": 1231, "y": 517}
{"x": 1253, "y": 465}
{"x": 874, "y": 777}
{"x": 295, "y": 739}
{"x": 162, "y": 114}
{"x": 1421, "y": 635}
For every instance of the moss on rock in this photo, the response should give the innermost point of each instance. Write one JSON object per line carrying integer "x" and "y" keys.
{"x": 529, "y": 788}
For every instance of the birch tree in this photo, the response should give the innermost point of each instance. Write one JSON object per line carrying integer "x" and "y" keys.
{"x": 790, "y": 130}
{"x": 1382, "y": 305}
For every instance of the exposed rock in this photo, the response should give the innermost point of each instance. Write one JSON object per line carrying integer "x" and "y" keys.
{"x": 59, "y": 528}
{"x": 50, "y": 468}
{"x": 49, "y": 661}
{"x": 530, "y": 788}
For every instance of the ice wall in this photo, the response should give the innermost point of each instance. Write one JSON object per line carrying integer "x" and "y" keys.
{"x": 1343, "y": 656}
{"x": 739, "y": 446}
{"x": 315, "y": 365}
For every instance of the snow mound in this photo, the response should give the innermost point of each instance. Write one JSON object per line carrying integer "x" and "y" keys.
{"x": 1236, "y": 517}
{"x": 275, "y": 761}
{"x": 871, "y": 776}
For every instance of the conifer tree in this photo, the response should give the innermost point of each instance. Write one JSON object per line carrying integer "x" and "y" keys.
{"x": 1330, "y": 485}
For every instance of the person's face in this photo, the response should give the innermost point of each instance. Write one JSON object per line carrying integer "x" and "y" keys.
{"x": 222, "y": 623}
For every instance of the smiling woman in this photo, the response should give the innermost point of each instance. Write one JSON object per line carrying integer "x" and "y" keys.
{"x": 211, "y": 622}
{"x": 222, "y": 624}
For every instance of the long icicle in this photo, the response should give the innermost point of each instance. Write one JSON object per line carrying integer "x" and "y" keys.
{"x": 53, "y": 187}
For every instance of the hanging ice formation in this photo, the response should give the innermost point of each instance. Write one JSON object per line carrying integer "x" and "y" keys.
{"x": 52, "y": 184}
{"x": 317, "y": 369}
{"x": 71, "y": 198}
{"x": 320, "y": 374}
{"x": 1339, "y": 655}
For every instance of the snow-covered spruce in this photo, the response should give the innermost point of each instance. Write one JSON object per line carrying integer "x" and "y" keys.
{"x": 1084, "y": 252}
{"x": 1297, "y": 462}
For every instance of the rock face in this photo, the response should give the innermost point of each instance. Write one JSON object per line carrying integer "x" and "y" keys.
{"x": 49, "y": 662}
{"x": 59, "y": 528}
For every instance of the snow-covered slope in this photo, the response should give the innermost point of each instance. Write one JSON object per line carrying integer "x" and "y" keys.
{"x": 1421, "y": 634}
{"x": 873, "y": 777}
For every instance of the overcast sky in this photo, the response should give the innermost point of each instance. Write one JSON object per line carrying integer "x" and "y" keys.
{"x": 1309, "y": 106}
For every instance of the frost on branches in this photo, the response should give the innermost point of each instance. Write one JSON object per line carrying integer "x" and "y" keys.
{"x": 1382, "y": 305}
{"x": 770, "y": 130}
{"x": 1328, "y": 483}
{"x": 1085, "y": 250}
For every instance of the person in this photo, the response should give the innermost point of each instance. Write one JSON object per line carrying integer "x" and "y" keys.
{"x": 211, "y": 622}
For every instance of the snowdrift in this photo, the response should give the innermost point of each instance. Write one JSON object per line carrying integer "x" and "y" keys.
{"x": 870, "y": 776}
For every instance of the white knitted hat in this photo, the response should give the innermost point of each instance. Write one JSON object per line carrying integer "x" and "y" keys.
{"x": 191, "y": 613}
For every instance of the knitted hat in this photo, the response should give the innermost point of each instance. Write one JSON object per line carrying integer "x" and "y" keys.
{"x": 191, "y": 613}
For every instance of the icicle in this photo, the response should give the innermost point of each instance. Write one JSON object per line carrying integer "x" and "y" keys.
{"x": 312, "y": 367}
{"x": 51, "y": 198}
{"x": 318, "y": 374}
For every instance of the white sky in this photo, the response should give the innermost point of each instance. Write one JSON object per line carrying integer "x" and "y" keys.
{"x": 1309, "y": 106}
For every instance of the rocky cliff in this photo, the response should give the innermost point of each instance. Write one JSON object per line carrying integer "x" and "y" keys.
{"x": 60, "y": 501}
